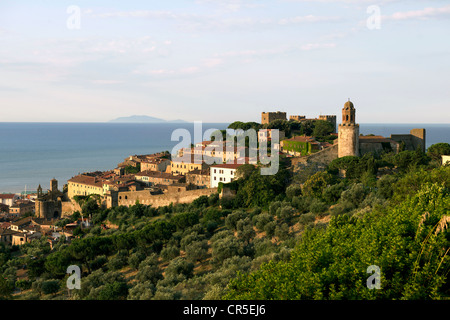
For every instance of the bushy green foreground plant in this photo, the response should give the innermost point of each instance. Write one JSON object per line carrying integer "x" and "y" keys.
{"x": 408, "y": 241}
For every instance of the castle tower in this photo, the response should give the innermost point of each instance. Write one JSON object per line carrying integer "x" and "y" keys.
{"x": 348, "y": 132}
{"x": 329, "y": 118}
{"x": 268, "y": 117}
{"x": 53, "y": 185}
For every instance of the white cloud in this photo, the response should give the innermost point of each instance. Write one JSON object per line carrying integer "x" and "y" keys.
{"x": 187, "y": 22}
{"x": 106, "y": 82}
{"x": 313, "y": 46}
{"x": 213, "y": 62}
{"x": 231, "y": 5}
{"x": 425, "y": 13}
{"x": 307, "y": 19}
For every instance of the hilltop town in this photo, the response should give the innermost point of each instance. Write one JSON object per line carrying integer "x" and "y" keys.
{"x": 181, "y": 226}
{"x": 162, "y": 179}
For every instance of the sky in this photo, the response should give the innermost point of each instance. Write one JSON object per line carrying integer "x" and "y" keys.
{"x": 224, "y": 60}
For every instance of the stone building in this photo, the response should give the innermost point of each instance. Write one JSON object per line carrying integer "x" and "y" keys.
{"x": 84, "y": 185}
{"x": 351, "y": 143}
{"x": 297, "y": 118}
{"x": 299, "y": 146}
{"x": 329, "y": 118}
{"x": 199, "y": 178}
{"x": 22, "y": 207}
{"x": 322, "y": 117}
{"x": 155, "y": 164}
{"x": 377, "y": 144}
{"x": 268, "y": 117}
{"x": 49, "y": 205}
{"x": 412, "y": 141}
{"x": 151, "y": 178}
{"x": 187, "y": 163}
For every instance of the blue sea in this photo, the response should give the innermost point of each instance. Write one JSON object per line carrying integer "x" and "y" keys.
{"x": 34, "y": 153}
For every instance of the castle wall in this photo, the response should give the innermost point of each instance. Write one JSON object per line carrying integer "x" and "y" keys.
{"x": 415, "y": 139}
{"x": 419, "y": 138}
{"x": 47, "y": 209}
{"x": 377, "y": 147}
{"x": 324, "y": 156}
{"x": 129, "y": 198}
{"x": 69, "y": 207}
{"x": 268, "y": 117}
{"x": 348, "y": 140}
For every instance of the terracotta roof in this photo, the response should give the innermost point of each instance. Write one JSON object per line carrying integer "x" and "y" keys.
{"x": 6, "y": 232}
{"x": 204, "y": 143}
{"x": 227, "y": 165}
{"x": 205, "y": 172}
{"x": 22, "y": 221}
{"x": 157, "y": 174}
{"x": 88, "y": 180}
{"x": 302, "y": 139}
{"x": 374, "y": 139}
{"x": 190, "y": 159}
{"x": 155, "y": 160}
{"x": 7, "y": 196}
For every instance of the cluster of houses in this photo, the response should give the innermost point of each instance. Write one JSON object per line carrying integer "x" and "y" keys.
{"x": 13, "y": 205}
{"x": 193, "y": 168}
{"x": 29, "y": 228}
{"x": 203, "y": 165}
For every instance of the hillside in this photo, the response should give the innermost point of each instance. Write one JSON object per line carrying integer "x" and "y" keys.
{"x": 315, "y": 227}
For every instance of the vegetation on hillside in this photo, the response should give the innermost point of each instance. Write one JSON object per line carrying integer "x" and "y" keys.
{"x": 305, "y": 234}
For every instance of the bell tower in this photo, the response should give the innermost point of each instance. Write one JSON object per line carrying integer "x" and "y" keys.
{"x": 348, "y": 113}
{"x": 348, "y": 132}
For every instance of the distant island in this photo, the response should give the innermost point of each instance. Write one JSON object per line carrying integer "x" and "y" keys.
{"x": 142, "y": 119}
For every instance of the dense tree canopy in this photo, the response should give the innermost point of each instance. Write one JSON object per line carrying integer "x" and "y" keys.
{"x": 408, "y": 242}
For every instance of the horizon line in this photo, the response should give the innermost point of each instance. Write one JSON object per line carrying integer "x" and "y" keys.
{"x": 188, "y": 122}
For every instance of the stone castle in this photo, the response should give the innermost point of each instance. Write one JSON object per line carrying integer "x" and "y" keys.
{"x": 351, "y": 143}
{"x": 268, "y": 117}
{"x": 49, "y": 205}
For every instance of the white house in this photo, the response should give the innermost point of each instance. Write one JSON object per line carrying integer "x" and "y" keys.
{"x": 445, "y": 159}
{"x": 223, "y": 173}
{"x": 266, "y": 134}
{"x": 8, "y": 199}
